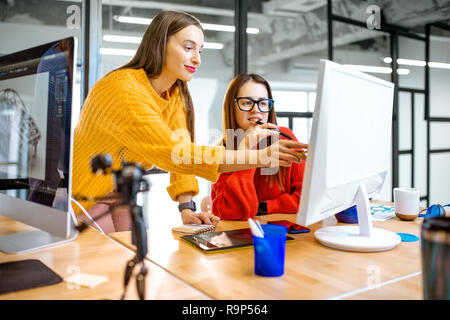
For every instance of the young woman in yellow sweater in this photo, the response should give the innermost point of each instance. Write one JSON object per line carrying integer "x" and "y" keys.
{"x": 143, "y": 112}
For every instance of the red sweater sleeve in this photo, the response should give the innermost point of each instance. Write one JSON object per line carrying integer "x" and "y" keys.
{"x": 289, "y": 201}
{"x": 234, "y": 196}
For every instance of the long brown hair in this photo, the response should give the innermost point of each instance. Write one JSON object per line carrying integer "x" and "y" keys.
{"x": 151, "y": 52}
{"x": 229, "y": 119}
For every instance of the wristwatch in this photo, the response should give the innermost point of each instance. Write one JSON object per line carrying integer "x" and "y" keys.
{"x": 187, "y": 205}
{"x": 262, "y": 208}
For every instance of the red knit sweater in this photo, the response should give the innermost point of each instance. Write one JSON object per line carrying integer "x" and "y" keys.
{"x": 236, "y": 195}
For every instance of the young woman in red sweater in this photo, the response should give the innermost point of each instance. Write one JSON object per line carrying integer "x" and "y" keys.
{"x": 244, "y": 194}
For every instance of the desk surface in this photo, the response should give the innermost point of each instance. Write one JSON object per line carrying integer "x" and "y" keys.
{"x": 96, "y": 254}
{"x": 312, "y": 271}
{"x": 404, "y": 288}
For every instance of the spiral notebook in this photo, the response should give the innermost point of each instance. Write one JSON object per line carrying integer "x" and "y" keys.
{"x": 194, "y": 228}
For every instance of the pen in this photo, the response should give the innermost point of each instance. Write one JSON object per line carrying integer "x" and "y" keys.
{"x": 254, "y": 228}
{"x": 259, "y": 227}
{"x": 281, "y": 133}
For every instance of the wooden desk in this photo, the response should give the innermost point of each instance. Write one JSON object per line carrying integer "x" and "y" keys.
{"x": 96, "y": 254}
{"x": 312, "y": 271}
{"x": 409, "y": 288}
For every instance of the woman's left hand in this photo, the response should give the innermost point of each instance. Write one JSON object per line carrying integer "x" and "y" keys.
{"x": 190, "y": 217}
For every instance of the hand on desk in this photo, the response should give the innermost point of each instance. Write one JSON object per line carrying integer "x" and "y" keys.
{"x": 190, "y": 217}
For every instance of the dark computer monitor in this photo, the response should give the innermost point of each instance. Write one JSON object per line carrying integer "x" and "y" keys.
{"x": 36, "y": 141}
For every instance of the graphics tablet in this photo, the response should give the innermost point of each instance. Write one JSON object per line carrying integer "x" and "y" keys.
{"x": 219, "y": 241}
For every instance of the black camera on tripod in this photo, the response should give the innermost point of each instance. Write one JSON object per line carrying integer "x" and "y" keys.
{"x": 128, "y": 182}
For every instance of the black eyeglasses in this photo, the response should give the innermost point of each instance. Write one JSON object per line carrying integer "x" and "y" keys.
{"x": 247, "y": 104}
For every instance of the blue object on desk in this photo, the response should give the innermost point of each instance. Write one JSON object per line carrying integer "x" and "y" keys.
{"x": 348, "y": 216}
{"x": 270, "y": 251}
{"x": 407, "y": 237}
{"x": 436, "y": 210}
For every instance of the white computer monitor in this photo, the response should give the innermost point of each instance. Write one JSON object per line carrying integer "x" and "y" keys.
{"x": 348, "y": 157}
{"x": 36, "y": 117}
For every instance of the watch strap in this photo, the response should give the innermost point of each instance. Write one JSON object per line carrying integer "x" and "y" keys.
{"x": 187, "y": 205}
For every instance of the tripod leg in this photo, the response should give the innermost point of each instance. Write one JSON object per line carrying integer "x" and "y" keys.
{"x": 139, "y": 233}
{"x": 128, "y": 273}
{"x": 140, "y": 281}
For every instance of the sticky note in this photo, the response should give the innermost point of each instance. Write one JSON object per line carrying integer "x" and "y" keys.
{"x": 86, "y": 280}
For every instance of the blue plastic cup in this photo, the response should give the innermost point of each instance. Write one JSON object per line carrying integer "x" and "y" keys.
{"x": 270, "y": 251}
{"x": 349, "y": 215}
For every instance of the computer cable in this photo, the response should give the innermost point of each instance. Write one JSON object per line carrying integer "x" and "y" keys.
{"x": 87, "y": 215}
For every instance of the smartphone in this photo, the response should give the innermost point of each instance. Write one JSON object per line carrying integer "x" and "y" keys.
{"x": 292, "y": 227}
{"x": 301, "y": 229}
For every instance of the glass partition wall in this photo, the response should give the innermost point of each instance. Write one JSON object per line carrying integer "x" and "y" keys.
{"x": 286, "y": 50}
{"x": 405, "y": 44}
{"x": 27, "y": 23}
{"x": 437, "y": 111}
{"x": 123, "y": 25}
{"x": 411, "y": 121}
{"x": 284, "y": 42}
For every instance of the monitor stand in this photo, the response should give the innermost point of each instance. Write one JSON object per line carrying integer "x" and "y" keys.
{"x": 27, "y": 241}
{"x": 361, "y": 238}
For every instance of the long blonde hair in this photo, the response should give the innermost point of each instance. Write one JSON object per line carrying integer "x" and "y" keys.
{"x": 229, "y": 119}
{"x": 151, "y": 52}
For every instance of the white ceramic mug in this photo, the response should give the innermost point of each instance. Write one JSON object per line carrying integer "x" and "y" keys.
{"x": 406, "y": 201}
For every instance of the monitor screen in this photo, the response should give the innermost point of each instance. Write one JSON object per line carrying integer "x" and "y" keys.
{"x": 35, "y": 117}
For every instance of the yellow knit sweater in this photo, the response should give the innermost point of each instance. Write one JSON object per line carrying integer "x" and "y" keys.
{"x": 125, "y": 117}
